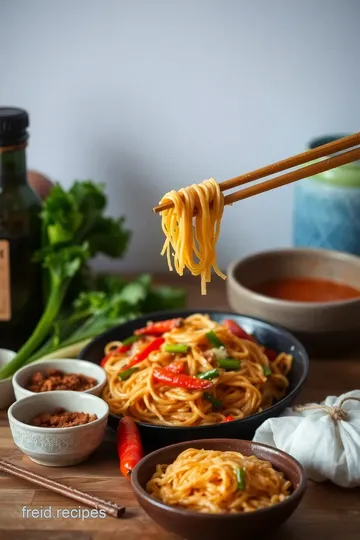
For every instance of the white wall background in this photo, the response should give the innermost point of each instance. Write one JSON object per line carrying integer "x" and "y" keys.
{"x": 150, "y": 95}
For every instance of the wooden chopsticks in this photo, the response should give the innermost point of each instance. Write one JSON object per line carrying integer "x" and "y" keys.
{"x": 303, "y": 172}
{"x": 112, "y": 509}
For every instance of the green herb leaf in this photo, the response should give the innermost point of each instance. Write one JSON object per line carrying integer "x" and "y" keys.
{"x": 89, "y": 196}
{"x": 164, "y": 298}
{"x": 108, "y": 283}
{"x": 79, "y": 305}
{"x": 109, "y": 237}
{"x": 61, "y": 216}
{"x": 135, "y": 292}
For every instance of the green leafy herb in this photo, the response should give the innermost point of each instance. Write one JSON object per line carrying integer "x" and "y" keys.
{"x": 164, "y": 298}
{"x": 75, "y": 229}
{"x": 77, "y": 216}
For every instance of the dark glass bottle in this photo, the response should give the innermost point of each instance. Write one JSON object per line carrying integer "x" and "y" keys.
{"x": 20, "y": 234}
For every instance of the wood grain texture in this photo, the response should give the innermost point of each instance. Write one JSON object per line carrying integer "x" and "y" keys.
{"x": 326, "y": 511}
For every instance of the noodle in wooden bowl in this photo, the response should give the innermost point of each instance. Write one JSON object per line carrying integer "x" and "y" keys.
{"x": 214, "y": 481}
{"x": 219, "y": 488}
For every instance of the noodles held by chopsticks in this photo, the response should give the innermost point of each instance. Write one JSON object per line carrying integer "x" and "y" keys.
{"x": 211, "y": 481}
{"x": 193, "y": 247}
{"x": 247, "y": 383}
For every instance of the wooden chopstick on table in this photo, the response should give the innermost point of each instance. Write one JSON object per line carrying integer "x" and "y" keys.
{"x": 303, "y": 172}
{"x": 112, "y": 509}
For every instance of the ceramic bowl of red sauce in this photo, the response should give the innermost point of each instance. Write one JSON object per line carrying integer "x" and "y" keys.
{"x": 314, "y": 293}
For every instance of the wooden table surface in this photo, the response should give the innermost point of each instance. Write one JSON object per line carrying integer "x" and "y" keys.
{"x": 327, "y": 512}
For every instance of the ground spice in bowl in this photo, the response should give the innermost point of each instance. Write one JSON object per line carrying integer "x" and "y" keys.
{"x": 61, "y": 418}
{"x": 55, "y": 379}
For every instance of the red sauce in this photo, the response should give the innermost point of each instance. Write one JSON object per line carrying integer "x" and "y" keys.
{"x": 307, "y": 290}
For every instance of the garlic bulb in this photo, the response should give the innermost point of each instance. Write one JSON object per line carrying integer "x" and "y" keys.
{"x": 324, "y": 437}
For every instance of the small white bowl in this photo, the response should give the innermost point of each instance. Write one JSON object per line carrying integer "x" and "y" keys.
{"x": 67, "y": 365}
{"x": 58, "y": 447}
{"x": 6, "y": 388}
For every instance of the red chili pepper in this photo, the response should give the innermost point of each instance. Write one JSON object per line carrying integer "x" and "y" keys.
{"x": 144, "y": 353}
{"x": 179, "y": 380}
{"x": 271, "y": 354}
{"x": 121, "y": 349}
{"x": 129, "y": 445}
{"x": 227, "y": 419}
{"x": 176, "y": 367}
{"x": 159, "y": 328}
{"x": 237, "y": 330}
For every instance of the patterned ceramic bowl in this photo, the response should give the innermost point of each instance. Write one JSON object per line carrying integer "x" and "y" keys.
{"x": 58, "y": 447}
{"x": 67, "y": 365}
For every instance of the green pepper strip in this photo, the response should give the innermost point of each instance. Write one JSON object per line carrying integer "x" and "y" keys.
{"x": 208, "y": 375}
{"x": 214, "y": 340}
{"x": 229, "y": 363}
{"x": 126, "y": 374}
{"x": 215, "y": 402}
{"x": 240, "y": 477}
{"x": 176, "y": 348}
{"x": 131, "y": 339}
{"x": 267, "y": 371}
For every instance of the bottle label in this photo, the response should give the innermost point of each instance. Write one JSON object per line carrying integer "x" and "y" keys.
{"x": 5, "y": 293}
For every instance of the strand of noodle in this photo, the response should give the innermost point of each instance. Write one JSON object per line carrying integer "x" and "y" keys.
{"x": 188, "y": 241}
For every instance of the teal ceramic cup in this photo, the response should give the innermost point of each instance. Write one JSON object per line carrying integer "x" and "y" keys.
{"x": 327, "y": 207}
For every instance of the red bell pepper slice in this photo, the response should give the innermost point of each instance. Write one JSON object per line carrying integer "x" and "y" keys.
{"x": 237, "y": 330}
{"x": 271, "y": 354}
{"x": 176, "y": 367}
{"x": 144, "y": 353}
{"x": 179, "y": 380}
{"x": 227, "y": 419}
{"x": 121, "y": 349}
{"x": 159, "y": 328}
{"x": 240, "y": 333}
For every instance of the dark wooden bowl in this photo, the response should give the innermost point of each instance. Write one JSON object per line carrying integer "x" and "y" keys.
{"x": 197, "y": 526}
{"x": 274, "y": 337}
